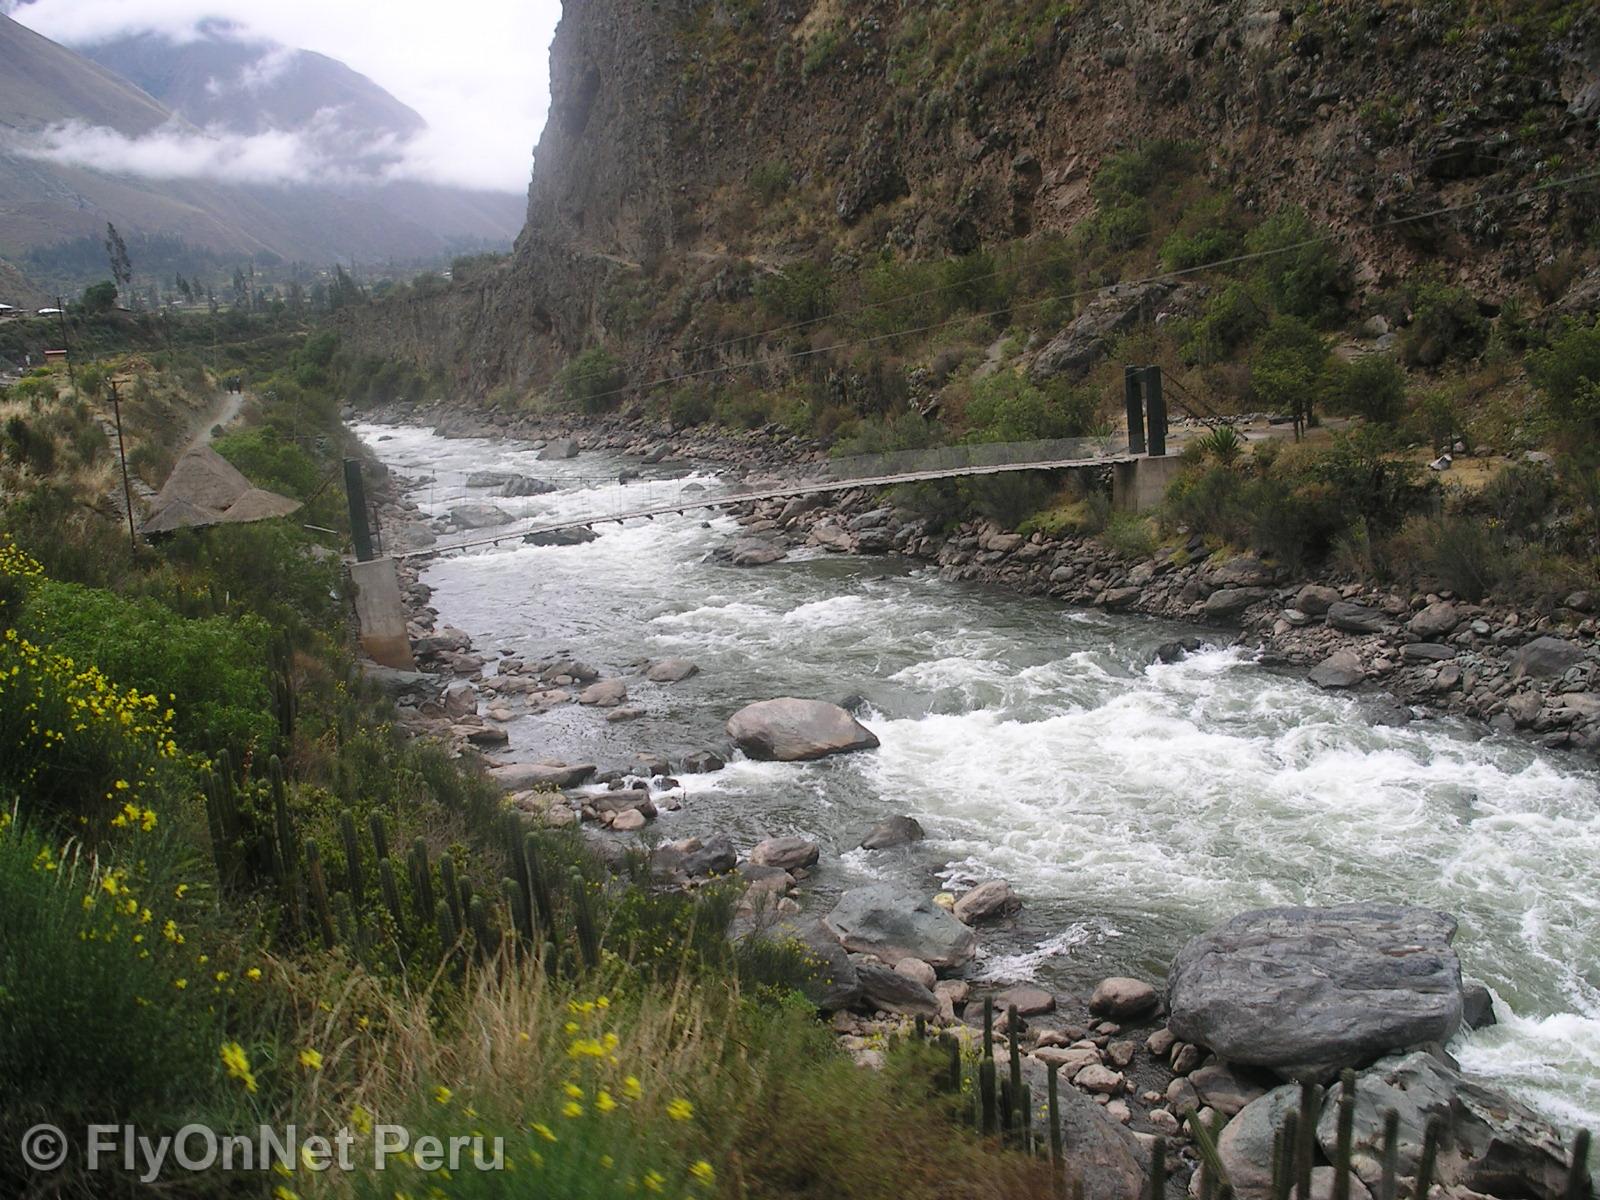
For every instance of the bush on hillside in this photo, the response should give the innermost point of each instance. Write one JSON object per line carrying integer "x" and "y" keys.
{"x": 1302, "y": 274}
{"x": 592, "y": 382}
{"x": 212, "y": 671}
{"x": 1567, "y": 375}
{"x": 1232, "y": 317}
{"x": 1287, "y": 369}
{"x": 802, "y": 291}
{"x": 1006, "y": 407}
{"x": 1445, "y": 324}
{"x": 1372, "y": 386}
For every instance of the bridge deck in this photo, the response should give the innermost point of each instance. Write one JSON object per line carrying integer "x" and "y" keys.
{"x": 813, "y": 487}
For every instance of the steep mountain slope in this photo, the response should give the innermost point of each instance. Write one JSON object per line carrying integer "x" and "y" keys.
{"x": 693, "y": 151}
{"x": 53, "y": 93}
{"x": 42, "y": 83}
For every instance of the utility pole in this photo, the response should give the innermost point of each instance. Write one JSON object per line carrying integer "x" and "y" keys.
{"x": 122, "y": 453}
{"x": 66, "y": 345}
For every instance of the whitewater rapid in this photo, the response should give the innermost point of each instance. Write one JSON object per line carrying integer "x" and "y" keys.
{"x": 1131, "y": 804}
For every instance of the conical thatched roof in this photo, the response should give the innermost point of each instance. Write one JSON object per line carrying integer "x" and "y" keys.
{"x": 206, "y": 489}
{"x": 203, "y": 477}
{"x": 180, "y": 514}
{"x": 258, "y": 504}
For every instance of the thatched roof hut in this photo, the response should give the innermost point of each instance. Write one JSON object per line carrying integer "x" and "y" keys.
{"x": 206, "y": 489}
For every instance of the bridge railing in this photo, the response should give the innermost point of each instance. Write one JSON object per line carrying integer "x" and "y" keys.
{"x": 939, "y": 460}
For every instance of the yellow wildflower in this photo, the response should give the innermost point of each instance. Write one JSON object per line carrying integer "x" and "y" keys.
{"x": 310, "y": 1059}
{"x": 702, "y": 1173}
{"x": 680, "y": 1109}
{"x": 442, "y": 1094}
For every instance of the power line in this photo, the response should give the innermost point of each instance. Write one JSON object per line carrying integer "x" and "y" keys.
{"x": 1158, "y": 277}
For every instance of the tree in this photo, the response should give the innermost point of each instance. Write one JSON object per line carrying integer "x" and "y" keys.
{"x": 100, "y": 297}
{"x": 1372, "y": 386}
{"x": 117, "y": 254}
{"x": 1288, "y": 369}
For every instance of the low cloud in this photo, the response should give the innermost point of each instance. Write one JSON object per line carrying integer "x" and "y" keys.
{"x": 262, "y": 73}
{"x": 324, "y": 153}
{"x": 177, "y": 152}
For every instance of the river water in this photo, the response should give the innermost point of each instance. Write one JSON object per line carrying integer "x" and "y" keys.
{"x": 1131, "y": 805}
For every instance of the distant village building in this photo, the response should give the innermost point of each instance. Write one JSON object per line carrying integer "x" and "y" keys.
{"x": 54, "y": 356}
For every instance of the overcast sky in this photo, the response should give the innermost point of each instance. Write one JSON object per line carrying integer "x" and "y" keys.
{"x": 477, "y": 70}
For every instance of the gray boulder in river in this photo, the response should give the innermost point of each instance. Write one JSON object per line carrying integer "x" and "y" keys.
{"x": 892, "y": 924}
{"x": 1490, "y": 1143}
{"x": 793, "y": 730}
{"x": 1309, "y": 991}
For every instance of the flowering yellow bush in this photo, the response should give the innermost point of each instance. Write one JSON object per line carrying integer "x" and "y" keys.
{"x": 74, "y": 744}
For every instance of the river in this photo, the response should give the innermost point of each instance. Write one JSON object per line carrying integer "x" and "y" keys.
{"x": 1130, "y": 804}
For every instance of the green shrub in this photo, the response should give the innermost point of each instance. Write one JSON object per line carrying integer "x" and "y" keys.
{"x": 1287, "y": 368}
{"x": 802, "y": 291}
{"x": 28, "y": 446}
{"x": 1205, "y": 234}
{"x": 1567, "y": 375}
{"x": 592, "y": 382}
{"x": 1521, "y": 500}
{"x": 92, "y": 1024}
{"x": 1302, "y": 275}
{"x": 1372, "y": 386}
{"x": 770, "y": 180}
{"x": 1008, "y": 498}
{"x": 1231, "y": 318}
{"x": 212, "y": 671}
{"x": 1130, "y": 535}
{"x": 690, "y": 406}
{"x": 1006, "y": 407}
{"x": 271, "y": 461}
{"x": 1223, "y": 444}
{"x": 1445, "y": 324}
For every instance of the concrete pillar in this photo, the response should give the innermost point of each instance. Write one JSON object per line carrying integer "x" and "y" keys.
{"x": 381, "y": 614}
{"x": 356, "y": 494}
{"x": 1133, "y": 398}
{"x": 1157, "y": 404}
{"x": 1140, "y": 486}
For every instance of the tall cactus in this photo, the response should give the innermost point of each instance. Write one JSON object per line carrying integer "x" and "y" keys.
{"x": 391, "y": 896}
{"x": 583, "y": 918}
{"x": 421, "y": 882}
{"x": 1158, "y": 1166}
{"x": 451, "y": 891}
{"x": 517, "y": 902}
{"x": 380, "y": 834}
{"x": 449, "y": 930}
{"x": 1306, "y": 1144}
{"x": 1053, "y": 1089}
{"x": 1014, "y": 1050}
{"x": 354, "y": 884}
{"x": 1579, "y": 1186}
{"x": 1430, "y": 1154}
{"x": 1344, "y": 1142}
{"x": 483, "y": 933}
{"x": 986, "y": 1097}
{"x": 1390, "y": 1170}
{"x": 542, "y": 909}
{"x": 319, "y": 893}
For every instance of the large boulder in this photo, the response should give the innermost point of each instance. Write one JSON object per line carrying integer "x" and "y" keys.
{"x": 891, "y": 924}
{"x": 792, "y": 730}
{"x": 1341, "y": 669}
{"x": 1433, "y": 622}
{"x": 893, "y": 831}
{"x": 789, "y": 852}
{"x": 1246, "y": 1143}
{"x": 1545, "y": 656}
{"x": 1105, "y": 1157}
{"x": 1309, "y": 991}
{"x": 1356, "y": 618}
{"x": 671, "y": 670}
{"x": 1088, "y": 338}
{"x": 525, "y": 777}
{"x": 896, "y": 992}
{"x": 990, "y": 899}
{"x": 559, "y": 449}
{"x": 749, "y": 552}
{"x": 1123, "y": 999}
{"x": 833, "y": 982}
{"x": 1489, "y": 1143}
{"x": 478, "y": 516}
{"x": 1226, "y": 603}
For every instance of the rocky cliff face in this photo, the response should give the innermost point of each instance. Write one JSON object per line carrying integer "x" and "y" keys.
{"x": 694, "y": 147}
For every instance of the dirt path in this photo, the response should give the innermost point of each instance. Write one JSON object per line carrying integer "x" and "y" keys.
{"x": 221, "y": 416}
